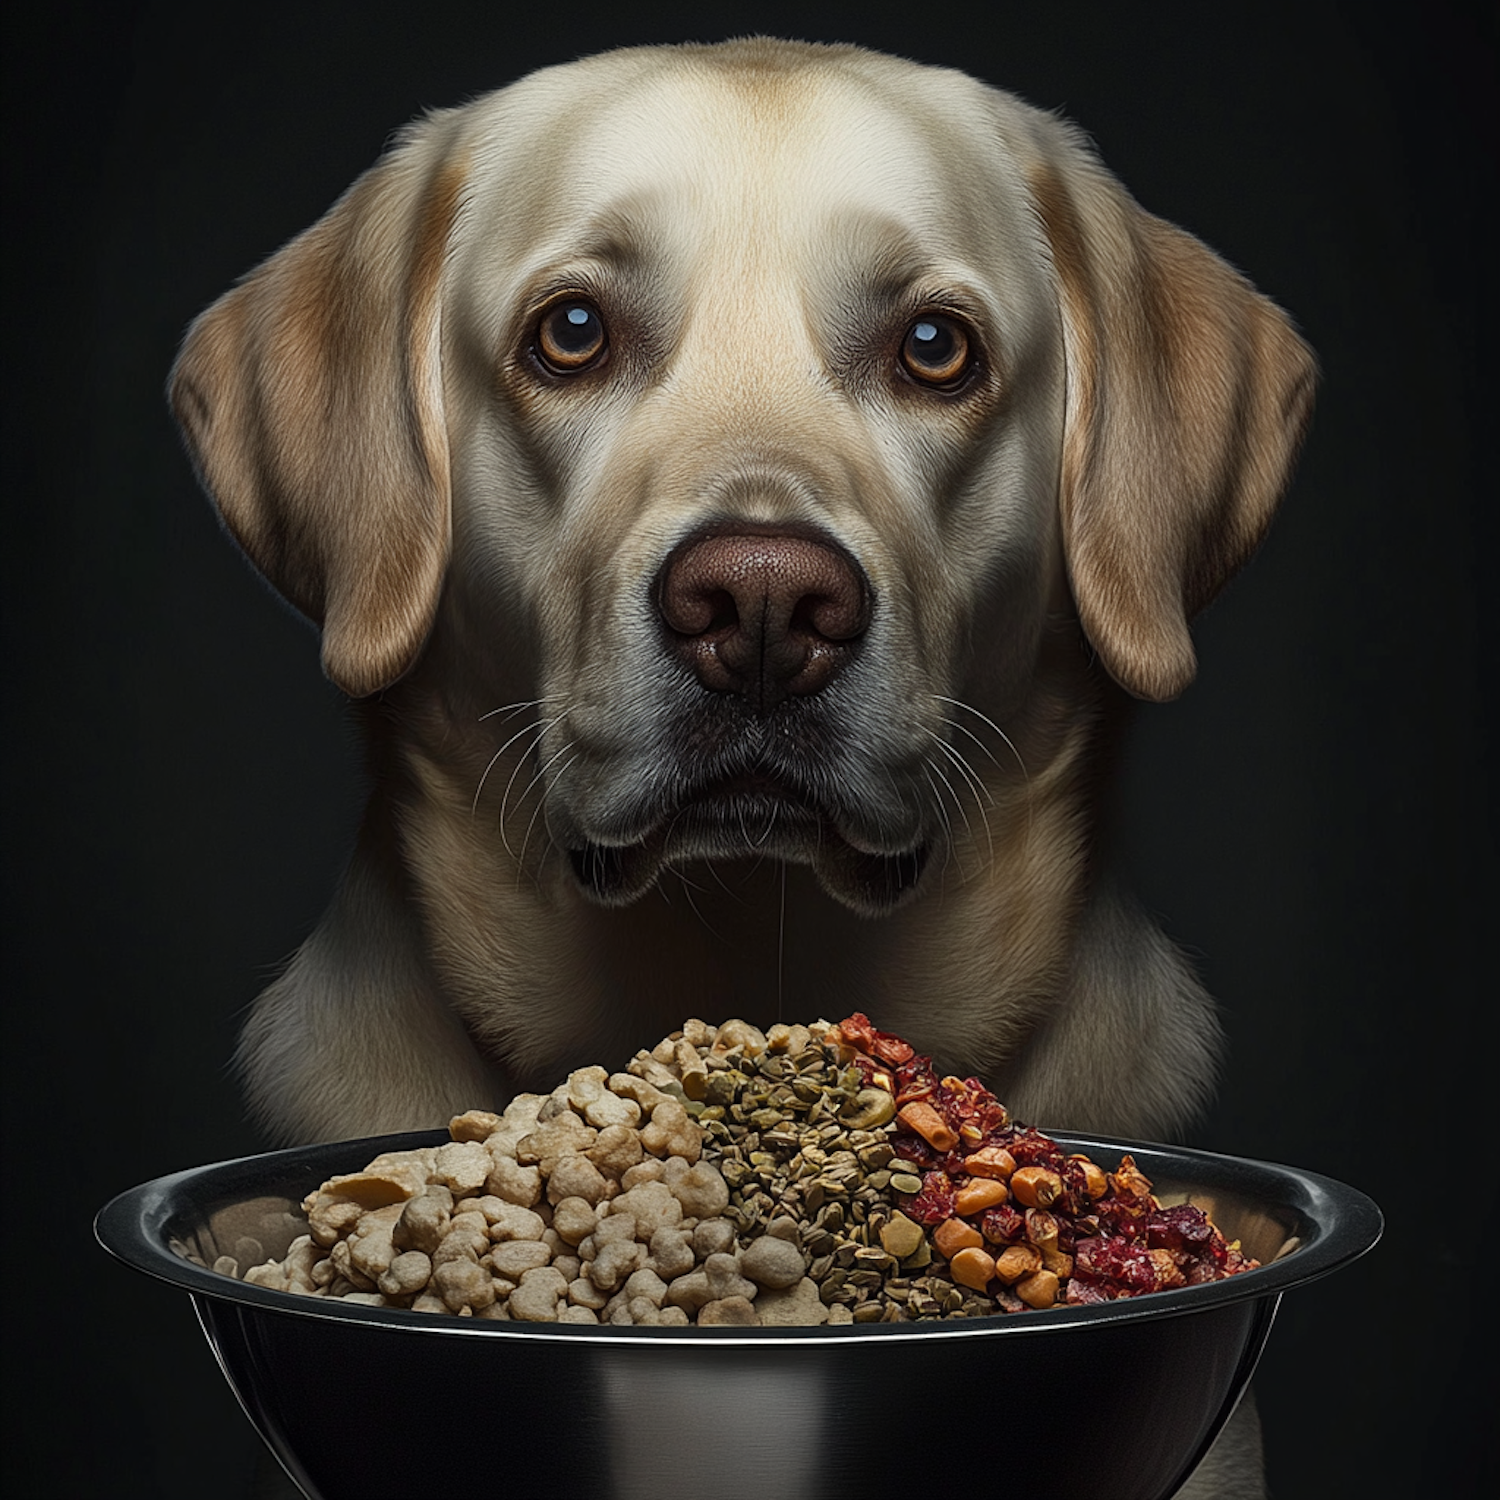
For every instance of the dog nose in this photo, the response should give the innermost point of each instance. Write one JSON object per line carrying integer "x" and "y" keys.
{"x": 764, "y": 616}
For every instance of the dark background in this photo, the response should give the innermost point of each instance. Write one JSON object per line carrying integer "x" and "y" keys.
{"x": 1314, "y": 819}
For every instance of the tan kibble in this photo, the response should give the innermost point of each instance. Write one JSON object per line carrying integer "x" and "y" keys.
{"x": 562, "y": 1135}
{"x": 464, "y": 1239}
{"x": 670, "y": 1252}
{"x": 463, "y": 1283}
{"x": 583, "y": 1293}
{"x": 613, "y": 1263}
{"x": 691, "y": 1069}
{"x": 407, "y": 1274}
{"x": 751, "y": 1040}
{"x": 701, "y": 1190}
{"x": 515, "y": 1258}
{"x": 638, "y": 1090}
{"x": 713, "y": 1237}
{"x": 474, "y": 1125}
{"x": 574, "y": 1219}
{"x": 330, "y": 1217}
{"x": 575, "y": 1176}
{"x": 536, "y": 1299}
{"x": 370, "y": 1247}
{"x": 462, "y": 1166}
{"x": 672, "y": 1133}
{"x": 728, "y": 1312}
{"x": 270, "y": 1276}
{"x": 617, "y": 1150}
{"x": 652, "y": 1205}
{"x": 510, "y": 1181}
{"x": 652, "y": 1169}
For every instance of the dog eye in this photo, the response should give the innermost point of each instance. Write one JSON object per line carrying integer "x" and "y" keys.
{"x": 936, "y": 351}
{"x": 570, "y": 338}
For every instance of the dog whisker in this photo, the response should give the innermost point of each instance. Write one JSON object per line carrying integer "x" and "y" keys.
{"x": 975, "y": 785}
{"x": 510, "y": 710}
{"x": 540, "y": 728}
{"x": 985, "y": 719}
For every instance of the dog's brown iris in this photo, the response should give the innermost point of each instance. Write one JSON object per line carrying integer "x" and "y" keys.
{"x": 936, "y": 351}
{"x": 570, "y": 337}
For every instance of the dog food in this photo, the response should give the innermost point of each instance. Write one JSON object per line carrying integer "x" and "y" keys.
{"x": 729, "y": 1176}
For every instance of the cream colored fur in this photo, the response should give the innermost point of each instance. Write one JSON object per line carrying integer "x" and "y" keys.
{"x": 758, "y": 223}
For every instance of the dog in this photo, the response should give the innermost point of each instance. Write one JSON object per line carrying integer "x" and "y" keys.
{"x": 742, "y": 489}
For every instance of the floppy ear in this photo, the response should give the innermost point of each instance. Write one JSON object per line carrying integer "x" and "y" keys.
{"x": 311, "y": 398}
{"x": 1188, "y": 395}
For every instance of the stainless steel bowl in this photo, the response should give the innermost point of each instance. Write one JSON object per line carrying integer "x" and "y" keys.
{"x": 1119, "y": 1399}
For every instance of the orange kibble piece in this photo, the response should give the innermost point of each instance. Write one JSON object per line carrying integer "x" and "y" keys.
{"x": 953, "y": 1235}
{"x": 1039, "y": 1289}
{"x": 982, "y": 1193}
{"x": 921, "y": 1117}
{"x": 1095, "y": 1181}
{"x": 974, "y": 1268}
{"x": 1036, "y": 1187}
{"x": 1018, "y": 1261}
{"x": 990, "y": 1161}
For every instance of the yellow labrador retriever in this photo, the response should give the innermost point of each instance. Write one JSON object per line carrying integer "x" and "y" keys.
{"x": 736, "y": 483}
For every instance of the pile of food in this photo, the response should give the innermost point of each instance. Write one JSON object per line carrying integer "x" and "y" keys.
{"x": 802, "y": 1175}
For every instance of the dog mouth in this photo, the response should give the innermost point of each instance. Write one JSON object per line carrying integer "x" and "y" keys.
{"x": 753, "y": 814}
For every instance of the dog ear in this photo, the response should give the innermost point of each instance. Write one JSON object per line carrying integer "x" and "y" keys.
{"x": 1188, "y": 396}
{"x": 311, "y": 398}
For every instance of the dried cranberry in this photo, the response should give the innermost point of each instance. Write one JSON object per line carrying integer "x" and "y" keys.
{"x": 1002, "y": 1225}
{"x": 935, "y": 1202}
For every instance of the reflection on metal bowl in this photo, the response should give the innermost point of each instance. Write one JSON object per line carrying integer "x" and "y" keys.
{"x": 1118, "y": 1399}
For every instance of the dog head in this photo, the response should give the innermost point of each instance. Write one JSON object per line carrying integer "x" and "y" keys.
{"x": 746, "y": 411}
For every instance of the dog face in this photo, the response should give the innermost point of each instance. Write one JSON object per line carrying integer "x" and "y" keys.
{"x": 747, "y": 413}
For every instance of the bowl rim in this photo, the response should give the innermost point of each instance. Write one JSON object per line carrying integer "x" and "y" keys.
{"x": 1336, "y": 1223}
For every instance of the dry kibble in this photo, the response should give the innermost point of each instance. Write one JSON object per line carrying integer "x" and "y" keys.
{"x": 408, "y": 1273}
{"x": 713, "y": 1237}
{"x": 423, "y": 1221}
{"x": 462, "y": 1166}
{"x": 671, "y": 1251}
{"x": 474, "y": 1125}
{"x": 672, "y": 1133}
{"x": 772, "y": 1262}
{"x": 575, "y": 1176}
{"x": 513, "y": 1222}
{"x": 535, "y": 1300}
{"x": 515, "y": 1258}
{"x": 463, "y": 1283}
{"x": 767, "y": 1185}
{"x": 574, "y": 1219}
{"x": 701, "y": 1191}
{"x": 513, "y": 1183}
{"x": 728, "y": 1312}
{"x": 652, "y": 1205}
